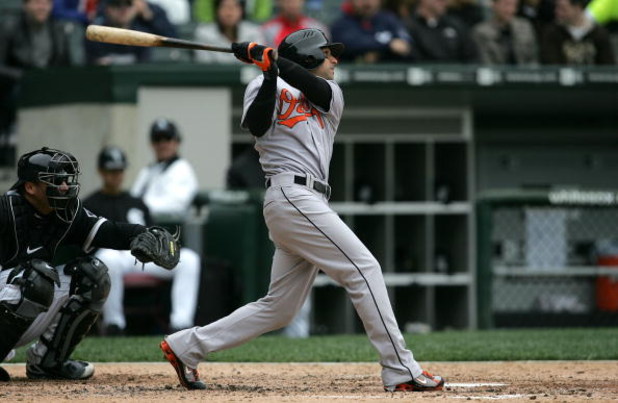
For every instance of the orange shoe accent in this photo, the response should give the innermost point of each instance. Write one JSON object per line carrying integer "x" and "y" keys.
{"x": 188, "y": 377}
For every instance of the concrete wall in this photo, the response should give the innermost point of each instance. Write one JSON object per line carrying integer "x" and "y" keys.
{"x": 202, "y": 115}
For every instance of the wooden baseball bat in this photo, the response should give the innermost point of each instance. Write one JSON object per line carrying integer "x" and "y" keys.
{"x": 119, "y": 36}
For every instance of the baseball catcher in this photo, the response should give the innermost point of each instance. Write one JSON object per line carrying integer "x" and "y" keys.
{"x": 58, "y": 305}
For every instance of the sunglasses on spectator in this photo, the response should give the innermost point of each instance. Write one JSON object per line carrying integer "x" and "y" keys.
{"x": 158, "y": 138}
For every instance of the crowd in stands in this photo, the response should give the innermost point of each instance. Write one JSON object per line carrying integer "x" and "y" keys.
{"x": 47, "y": 33}
{"x": 512, "y": 32}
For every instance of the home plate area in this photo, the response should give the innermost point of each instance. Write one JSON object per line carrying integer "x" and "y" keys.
{"x": 555, "y": 381}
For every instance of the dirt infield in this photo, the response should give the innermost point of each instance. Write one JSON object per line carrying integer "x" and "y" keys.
{"x": 514, "y": 381}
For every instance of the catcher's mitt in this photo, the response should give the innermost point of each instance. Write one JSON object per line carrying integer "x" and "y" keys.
{"x": 157, "y": 245}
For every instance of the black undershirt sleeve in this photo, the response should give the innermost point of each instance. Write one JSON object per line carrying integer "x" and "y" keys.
{"x": 116, "y": 235}
{"x": 315, "y": 88}
{"x": 259, "y": 115}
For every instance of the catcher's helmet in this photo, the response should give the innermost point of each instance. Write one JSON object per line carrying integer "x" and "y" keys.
{"x": 112, "y": 158}
{"x": 305, "y": 47}
{"x": 52, "y": 167}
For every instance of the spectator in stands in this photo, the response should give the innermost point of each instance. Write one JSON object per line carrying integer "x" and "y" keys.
{"x": 289, "y": 19}
{"x": 177, "y": 11}
{"x": 575, "y": 39}
{"x": 371, "y": 34}
{"x": 506, "y": 38}
{"x": 438, "y": 37}
{"x": 229, "y": 27}
{"x": 540, "y": 13}
{"x": 138, "y": 15}
{"x": 80, "y": 11}
{"x": 401, "y": 8}
{"x": 33, "y": 39}
{"x": 467, "y": 11}
{"x": 36, "y": 39}
{"x": 256, "y": 11}
{"x": 169, "y": 185}
{"x": 603, "y": 11}
{"x": 116, "y": 204}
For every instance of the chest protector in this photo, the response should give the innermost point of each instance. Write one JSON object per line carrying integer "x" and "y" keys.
{"x": 32, "y": 236}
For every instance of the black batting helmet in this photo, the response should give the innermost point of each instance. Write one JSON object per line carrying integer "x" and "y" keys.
{"x": 52, "y": 167}
{"x": 112, "y": 158}
{"x": 305, "y": 47}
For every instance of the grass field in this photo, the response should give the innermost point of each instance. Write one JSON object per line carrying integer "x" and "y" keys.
{"x": 497, "y": 345}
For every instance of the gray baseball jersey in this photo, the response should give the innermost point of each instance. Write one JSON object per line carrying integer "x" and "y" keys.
{"x": 308, "y": 236}
{"x": 301, "y": 137}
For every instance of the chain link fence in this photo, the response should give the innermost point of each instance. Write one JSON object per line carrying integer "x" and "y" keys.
{"x": 548, "y": 259}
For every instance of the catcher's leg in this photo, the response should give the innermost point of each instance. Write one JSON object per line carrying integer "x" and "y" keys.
{"x": 49, "y": 358}
{"x": 26, "y": 291}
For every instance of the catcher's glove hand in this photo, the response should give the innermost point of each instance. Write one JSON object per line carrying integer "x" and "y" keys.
{"x": 157, "y": 245}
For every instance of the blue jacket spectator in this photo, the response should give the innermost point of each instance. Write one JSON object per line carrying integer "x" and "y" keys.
{"x": 371, "y": 34}
{"x": 137, "y": 15}
{"x": 81, "y": 11}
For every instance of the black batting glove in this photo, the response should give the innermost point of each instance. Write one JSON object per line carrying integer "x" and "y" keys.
{"x": 241, "y": 51}
{"x": 264, "y": 57}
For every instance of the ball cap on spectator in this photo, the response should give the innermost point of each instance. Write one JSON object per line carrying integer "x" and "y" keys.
{"x": 163, "y": 129}
{"x": 112, "y": 158}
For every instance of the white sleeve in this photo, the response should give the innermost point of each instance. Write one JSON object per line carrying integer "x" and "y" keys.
{"x": 137, "y": 190}
{"x": 173, "y": 191}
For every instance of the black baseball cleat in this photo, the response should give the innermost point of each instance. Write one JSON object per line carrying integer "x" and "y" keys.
{"x": 425, "y": 382}
{"x": 70, "y": 369}
{"x": 189, "y": 378}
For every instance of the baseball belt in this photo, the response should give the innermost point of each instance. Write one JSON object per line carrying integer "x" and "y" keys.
{"x": 319, "y": 187}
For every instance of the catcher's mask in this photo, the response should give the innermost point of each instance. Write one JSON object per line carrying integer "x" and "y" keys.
{"x": 52, "y": 167}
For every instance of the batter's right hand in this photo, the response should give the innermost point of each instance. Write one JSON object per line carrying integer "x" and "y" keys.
{"x": 264, "y": 57}
{"x": 241, "y": 51}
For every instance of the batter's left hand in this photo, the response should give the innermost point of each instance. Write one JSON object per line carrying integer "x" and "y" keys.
{"x": 241, "y": 51}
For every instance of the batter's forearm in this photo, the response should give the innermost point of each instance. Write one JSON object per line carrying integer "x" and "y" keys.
{"x": 314, "y": 88}
{"x": 260, "y": 114}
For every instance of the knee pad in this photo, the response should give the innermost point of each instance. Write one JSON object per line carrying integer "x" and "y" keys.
{"x": 35, "y": 280}
{"x": 90, "y": 280}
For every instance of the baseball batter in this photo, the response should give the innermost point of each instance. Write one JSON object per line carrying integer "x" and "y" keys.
{"x": 293, "y": 110}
